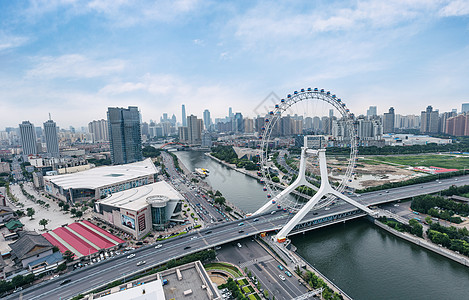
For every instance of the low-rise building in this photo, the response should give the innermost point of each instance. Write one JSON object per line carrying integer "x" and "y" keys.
{"x": 139, "y": 210}
{"x": 6, "y": 214}
{"x": 30, "y": 247}
{"x": 4, "y": 167}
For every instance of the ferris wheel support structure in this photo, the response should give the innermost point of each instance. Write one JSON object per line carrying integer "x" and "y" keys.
{"x": 324, "y": 190}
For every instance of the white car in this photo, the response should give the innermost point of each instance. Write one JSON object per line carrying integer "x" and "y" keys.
{"x": 158, "y": 246}
{"x": 142, "y": 262}
{"x": 131, "y": 256}
{"x": 281, "y": 277}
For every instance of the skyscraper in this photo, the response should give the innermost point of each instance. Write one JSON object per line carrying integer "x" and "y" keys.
{"x": 238, "y": 122}
{"x": 184, "y": 120}
{"x": 429, "y": 120}
{"x": 207, "y": 119}
{"x": 52, "y": 142}
{"x": 194, "y": 130}
{"x": 124, "y": 134}
{"x": 388, "y": 121}
{"x": 372, "y": 112}
{"x": 230, "y": 113}
{"x": 28, "y": 138}
{"x": 465, "y": 107}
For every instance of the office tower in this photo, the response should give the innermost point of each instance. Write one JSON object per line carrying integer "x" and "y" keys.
{"x": 248, "y": 125}
{"x": 52, "y": 142}
{"x": 388, "y": 121}
{"x": 429, "y": 120}
{"x": 194, "y": 130}
{"x": 207, "y": 119}
{"x": 230, "y": 113}
{"x": 372, "y": 112}
{"x": 465, "y": 108}
{"x": 124, "y": 134}
{"x": 308, "y": 123}
{"x": 331, "y": 113}
{"x": 259, "y": 124}
{"x": 28, "y": 138}
{"x": 238, "y": 122}
{"x": 173, "y": 120}
{"x": 286, "y": 126}
{"x": 99, "y": 129}
{"x": 184, "y": 120}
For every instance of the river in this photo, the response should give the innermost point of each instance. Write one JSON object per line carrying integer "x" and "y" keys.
{"x": 362, "y": 259}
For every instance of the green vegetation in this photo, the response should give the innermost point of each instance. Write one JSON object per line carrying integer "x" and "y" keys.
{"x": 99, "y": 162}
{"x": 176, "y": 162}
{"x": 227, "y": 154}
{"x": 436, "y": 160}
{"x": 315, "y": 282}
{"x": 149, "y": 151}
{"x": 43, "y": 222}
{"x": 16, "y": 282}
{"x": 169, "y": 237}
{"x": 233, "y": 287}
{"x": 395, "y": 224}
{"x": 439, "y": 207}
{"x": 450, "y": 237}
{"x": 243, "y": 281}
{"x": 224, "y": 267}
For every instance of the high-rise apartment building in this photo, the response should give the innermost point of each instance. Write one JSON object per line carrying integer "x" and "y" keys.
{"x": 52, "y": 142}
{"x": 429, "y": 120}
{"x": 388, "y": 121}
{"x": 124, "y": 134}
{"x": 194, "y": 130}
{"x": 100, "y": 130}
{"x": 184, "y": 119}
{"x": 28, "y": 138}
{"x": 238, "y": 122}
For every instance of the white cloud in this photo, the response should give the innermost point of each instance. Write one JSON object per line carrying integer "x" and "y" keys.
{"x": 455, "y": 8}
{"x": 10, "y": 41}
{"x": 74, "y": 66}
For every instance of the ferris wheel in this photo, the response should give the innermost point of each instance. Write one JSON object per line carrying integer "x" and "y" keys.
{"x": 299, "y": 106}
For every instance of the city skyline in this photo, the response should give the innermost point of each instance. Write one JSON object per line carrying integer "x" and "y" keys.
{"x": 76, "y": 58}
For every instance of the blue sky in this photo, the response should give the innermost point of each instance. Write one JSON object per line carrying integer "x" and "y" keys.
{"x": 74, "y": 58}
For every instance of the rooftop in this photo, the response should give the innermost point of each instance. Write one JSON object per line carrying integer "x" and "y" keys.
{"x": 135, "y": 198}
{"x": 30, "y": 244}
{"x": 104, "y": 176}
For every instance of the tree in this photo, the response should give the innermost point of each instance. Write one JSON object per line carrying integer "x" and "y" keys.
{"x": 66, "y": 206}
{"x": 73, "y": 211}
{"x": 30, "y": 212}
{"x": 62, "y": 267}
{"x": 220, "y": 200}
{"x": 44, "y": 222}
{"x": 79, "y": 214}
{"x": 19, "y": 213}
{"x": 68, "y": 255}
{"x": 228, "y": 209}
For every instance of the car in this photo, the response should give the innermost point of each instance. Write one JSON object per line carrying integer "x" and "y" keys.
{"x": 280, "y": 267}
{"x": 217, "y": 248}
{"x": 55, "y": 276}
{"x": 239, "y": 245}
{"x": 315, "y": 213}
{"x": 131, "y": 256}
{"x": 273, "y": 212}
{"x": 208, "y": 232}
{"x": 387, "y": 191}
{"x": 193, "y": 238}
{"x": 396, "y": 205}
{"x": 255, "y": 220}
{"x": 187, "y": 247}
{"x": 158, "y": 246}
{"x": 241, "y": 231}
{"x": 241, "y": 224}
{"x": 65, "y": 281}
{"x": 288, "y": 273}
{"x": 142, "y": 262}
{"x": 281, "y": 277}
{"x": 327, "y": 208}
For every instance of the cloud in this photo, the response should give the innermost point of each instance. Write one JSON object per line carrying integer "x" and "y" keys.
{"x": 455, "y": 8}
{"x": 10, "y": 41}
{"x": 74, "y": 66}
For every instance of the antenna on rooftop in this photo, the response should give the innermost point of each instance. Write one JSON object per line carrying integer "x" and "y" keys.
{"x": 50, "y": 117}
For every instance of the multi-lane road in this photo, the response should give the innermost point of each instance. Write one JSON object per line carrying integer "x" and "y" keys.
{"x": 87, "y": 278}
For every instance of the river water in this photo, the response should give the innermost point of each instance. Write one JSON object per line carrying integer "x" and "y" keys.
{"x": 362, "y": 259}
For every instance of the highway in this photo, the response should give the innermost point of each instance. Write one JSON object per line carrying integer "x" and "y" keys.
{"x": 109, "y": 270}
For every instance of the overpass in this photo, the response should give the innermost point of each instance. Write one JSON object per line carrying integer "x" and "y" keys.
{"x": 99, "y": 274}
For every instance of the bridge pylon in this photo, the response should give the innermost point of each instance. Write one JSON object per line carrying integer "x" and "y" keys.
{"x": 324, "y": 190}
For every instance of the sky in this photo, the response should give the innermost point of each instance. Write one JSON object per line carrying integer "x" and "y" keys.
{"x": 75, "y": 58}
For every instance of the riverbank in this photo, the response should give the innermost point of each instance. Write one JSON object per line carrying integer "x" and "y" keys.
{"x": 423, "y": 243}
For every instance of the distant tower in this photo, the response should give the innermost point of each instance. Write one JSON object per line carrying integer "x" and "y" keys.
{"x": 372, "y": 112}
{"x": 52, "y": 142}
{"x": 207, "y": 119}
{"x": 230, "y": 113}
{"x": 125, "y": 134}
{"x": 194, "y": 130}
{"x": 184, "y": 119}
{"x": 465, "y": 108}
{"x": 28, "y": 138}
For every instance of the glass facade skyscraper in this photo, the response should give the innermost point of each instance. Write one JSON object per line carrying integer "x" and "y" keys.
{"x": 124, "y": 134}
{"x": 52, "y": 141}
{"x": 28, "y": 138}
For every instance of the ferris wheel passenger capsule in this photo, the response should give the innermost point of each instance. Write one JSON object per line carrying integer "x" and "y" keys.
{"x": 309, "y": 89}
{"x": 262, "y": 181}
{"x": 334, "y": 96}
{"x": 339, "y": 100}
{"x": 302, "y": 90}
{"x": 265, "y": 189}
{"x": 269, "y": 196}
{"x": 283, "y": 100}
{"x": 328, "y": 93}
{"x": 322, "y": 90}
{"x": 278, "y": 206}
{"x": 273, "y": 201}
{"x": 271, "y": 113}
{"x": 277, "y": 106}
{"x": 315, "y": 89}
{"x": 295, "y": 92}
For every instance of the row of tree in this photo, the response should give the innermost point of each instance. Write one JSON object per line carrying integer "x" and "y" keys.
{"x": 440, "y": 207}
{"x": 227, "y": 154}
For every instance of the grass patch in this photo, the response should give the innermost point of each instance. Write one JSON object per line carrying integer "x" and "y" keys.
{"x": 224, "y": 267}
{"x": 242, "y": 282}
{"x": 254, "y": 297}
{"x": 248, "y": 289}
{"x": 441, "y": 161}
